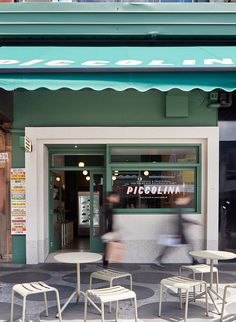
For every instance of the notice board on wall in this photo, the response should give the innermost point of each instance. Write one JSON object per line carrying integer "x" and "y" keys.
{"x": 18, "y": 202}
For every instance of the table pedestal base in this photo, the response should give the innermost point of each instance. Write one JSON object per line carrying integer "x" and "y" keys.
{"x": 211, "y": 292}
{"x": 75, "y": 293}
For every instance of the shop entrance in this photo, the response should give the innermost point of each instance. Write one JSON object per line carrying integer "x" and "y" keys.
{"x": 76, "y": 201}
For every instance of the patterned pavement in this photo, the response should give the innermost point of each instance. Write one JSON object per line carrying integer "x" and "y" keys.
{"x": 146, "y": 278}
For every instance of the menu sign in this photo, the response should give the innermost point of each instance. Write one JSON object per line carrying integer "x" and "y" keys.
{"x": 18, "y": 202}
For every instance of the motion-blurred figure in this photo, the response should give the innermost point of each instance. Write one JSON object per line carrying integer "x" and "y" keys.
{"x": 112, "y": 200}
{"x": 168, "y": 242}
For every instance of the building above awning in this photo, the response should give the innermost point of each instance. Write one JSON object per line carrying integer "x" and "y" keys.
{"x": 118, "y": 68}
{"x": 45, "y": 21}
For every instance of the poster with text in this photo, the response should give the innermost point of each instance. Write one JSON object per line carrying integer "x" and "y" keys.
{"x": 18, "y": 202}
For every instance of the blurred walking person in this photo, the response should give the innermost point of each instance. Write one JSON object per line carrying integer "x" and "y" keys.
{"x": 168, "y": 242}
{"x": 112, "y": 200}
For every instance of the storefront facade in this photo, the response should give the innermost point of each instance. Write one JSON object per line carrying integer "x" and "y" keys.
{"x": 123, "y": 124}
{"x": 155, "y": 131}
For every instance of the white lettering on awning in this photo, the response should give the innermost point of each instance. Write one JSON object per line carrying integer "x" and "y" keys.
{"x": 159, "y": 63}
{"x": 129, "y": 62}
{"x": 32, "y": 62}
{"x": 8, "y": 61}
{"x": 126, "y": 62}
{"x": 224, "y": 61}
{"x": 189, "y": 62}
{"x": 60, "y": 62}
{"x": 95, "y": 63}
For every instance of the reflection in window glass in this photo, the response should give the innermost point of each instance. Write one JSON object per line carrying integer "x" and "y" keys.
{"x": 154, "y": 189}
{"x": 154, "y": 154}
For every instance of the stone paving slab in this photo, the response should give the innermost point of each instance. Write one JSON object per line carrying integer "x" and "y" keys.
{"x": 146, "y": 278}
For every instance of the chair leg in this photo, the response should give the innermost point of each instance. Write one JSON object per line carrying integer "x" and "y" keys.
{"x": 131, "y": 286}
{"x": 85, "y": 307}
{"x": 110, "y": 302}
{"x": 12, "y": 305}
{"x": 217, "y": 283}
{"x": 24, "y": 309}
{"x": 180, "y": 298}
{"x": 160, "y": 300}
{"x": 117, "y": 310}
{"x": 180, "y": 273}
{"x": 186, "y": 308}
{"x": 194, "y": 288}
{"x": 58, "y": 305}
{"x": 206, "y": 295}
{"x": 46, "y": 303}
{"x": 180, "y": 270}
{"x": 90, "y": 286}
{"x": 136, "y": 309}
{"x": 201, "y": 284}
{"x": 223, "y": 304}
{"x": 131, "y": 282}
{"x": 102, "y": 311}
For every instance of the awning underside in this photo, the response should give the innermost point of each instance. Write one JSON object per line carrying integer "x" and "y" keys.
{"x": 142, "y": 82}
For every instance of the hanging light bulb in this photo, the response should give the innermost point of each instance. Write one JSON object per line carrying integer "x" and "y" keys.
{"x": 87, "y": 178}
{"x": 116, "y": 172}
{"x": 85, "y": 172}
{"x": 113, "y": 178}
{"x": 146, "y": 173}
{"x": 58, "y": 179}
{"x": 81, "y": 164}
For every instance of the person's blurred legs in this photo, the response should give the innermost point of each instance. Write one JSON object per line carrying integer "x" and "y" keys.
{"x": 105, "y": 261}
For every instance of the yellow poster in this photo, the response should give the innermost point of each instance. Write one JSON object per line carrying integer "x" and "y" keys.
{"x": 18, "y": 204}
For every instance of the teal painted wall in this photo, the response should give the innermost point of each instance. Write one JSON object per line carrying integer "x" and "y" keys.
{"x": 106, "y": 108}
{"x": 19, "y": 250}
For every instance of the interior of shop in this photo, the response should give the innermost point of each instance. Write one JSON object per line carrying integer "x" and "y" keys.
{"x": 147, "y": 178}
{"x": 74, "y": 202}
{"x": 227, "y": 187}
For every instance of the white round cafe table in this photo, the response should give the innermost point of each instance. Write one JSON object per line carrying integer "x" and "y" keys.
{"x": 76, "y": 258}
{"x": 212, "y": 255}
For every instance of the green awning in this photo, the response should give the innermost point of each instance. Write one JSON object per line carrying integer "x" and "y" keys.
{"x": 121, "y": 81}
{"x": 119, "y": 68}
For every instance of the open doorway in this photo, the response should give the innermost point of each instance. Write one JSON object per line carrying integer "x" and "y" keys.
{"x": 76, "y": 200}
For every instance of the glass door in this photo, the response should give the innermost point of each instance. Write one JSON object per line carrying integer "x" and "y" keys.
{"x": 56, "y": 211}
{"x": 97, "y": 194}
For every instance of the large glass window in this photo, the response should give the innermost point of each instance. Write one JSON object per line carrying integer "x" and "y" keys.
{"x": 153, "y": 177}
{"x": 154, "y": 189}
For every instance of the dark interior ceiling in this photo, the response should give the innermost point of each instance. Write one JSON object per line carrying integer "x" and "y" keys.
{"x": 228, "y": 113}
{"x": 118, "y": 41}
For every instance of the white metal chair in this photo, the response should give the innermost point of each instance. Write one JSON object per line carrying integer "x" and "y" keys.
{"x": 224, "y": 299}
{"x": 200, "y": 269}
{"x": 109, "y": 275}
{"x": 182, "y": 283}
{"x": 33, "y": 288}
{"x": 108, "y": 295}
